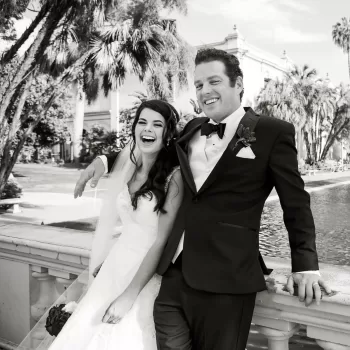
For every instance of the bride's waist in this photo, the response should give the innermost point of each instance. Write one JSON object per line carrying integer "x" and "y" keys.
{"x": 136, "y": 238}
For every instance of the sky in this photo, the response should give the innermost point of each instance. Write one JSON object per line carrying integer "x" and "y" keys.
{"x": 301, "y": 27}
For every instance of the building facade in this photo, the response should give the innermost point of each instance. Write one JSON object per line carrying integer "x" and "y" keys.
{"x": 258, "y": 66}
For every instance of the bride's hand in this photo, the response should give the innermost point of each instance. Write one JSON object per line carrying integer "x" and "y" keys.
{"x": 118, "y": 309}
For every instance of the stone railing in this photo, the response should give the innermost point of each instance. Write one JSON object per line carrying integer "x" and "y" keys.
{"x": 278, "y": 315}
{"x": 37, "y": 263}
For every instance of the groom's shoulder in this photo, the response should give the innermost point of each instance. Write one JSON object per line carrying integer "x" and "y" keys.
{"x": 275, "y": 125}
{"x": 192, "y": 124}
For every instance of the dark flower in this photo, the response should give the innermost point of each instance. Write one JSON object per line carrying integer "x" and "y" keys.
{"x": 56, "y": 319}
{"x": 246, "y": 137}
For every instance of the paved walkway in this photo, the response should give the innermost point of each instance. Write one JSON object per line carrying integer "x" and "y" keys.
{"x": 45, "y": 202}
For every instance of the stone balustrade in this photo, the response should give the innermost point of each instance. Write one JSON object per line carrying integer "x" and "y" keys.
{"x": 38, "y": 263}
{"x": 278, "y": 314}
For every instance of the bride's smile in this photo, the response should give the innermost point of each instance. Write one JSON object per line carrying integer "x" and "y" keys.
{"x": 149, "y": 131}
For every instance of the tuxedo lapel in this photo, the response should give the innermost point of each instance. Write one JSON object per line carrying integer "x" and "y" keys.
{"x": 250, "y": 119}
{"x": 182, "y": 152}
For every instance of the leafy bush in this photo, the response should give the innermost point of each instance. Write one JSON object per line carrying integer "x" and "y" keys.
{"x": 12, "y": 190}
{"x": 99, "y": 141}
{"x": 26, "y": 154}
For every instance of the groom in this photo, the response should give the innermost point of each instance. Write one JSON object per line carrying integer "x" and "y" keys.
{"x": 211, "y": 265}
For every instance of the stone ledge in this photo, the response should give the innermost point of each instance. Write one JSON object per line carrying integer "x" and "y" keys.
{"x": 329, "y": 322}
{"x": 338, "y": 277}
{"x": 52, "y": 242}
{"x": 54, "y": 248}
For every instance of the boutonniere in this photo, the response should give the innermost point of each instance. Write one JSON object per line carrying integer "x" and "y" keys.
{"x": 246, "y": 137}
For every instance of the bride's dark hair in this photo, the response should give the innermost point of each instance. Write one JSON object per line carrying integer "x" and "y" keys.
{"x": 166, "y": 159}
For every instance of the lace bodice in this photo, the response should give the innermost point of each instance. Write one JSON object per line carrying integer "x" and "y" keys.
{"x": 140, "y": 225}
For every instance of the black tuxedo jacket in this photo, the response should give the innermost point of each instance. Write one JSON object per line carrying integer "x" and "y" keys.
{"x": 221, "y": 221}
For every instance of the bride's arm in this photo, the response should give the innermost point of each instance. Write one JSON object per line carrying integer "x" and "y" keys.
{"x": 122, "y": 304}
{"x": 165, "y": 225}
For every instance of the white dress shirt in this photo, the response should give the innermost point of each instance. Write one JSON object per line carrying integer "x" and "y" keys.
{"x": 204, "y": 153}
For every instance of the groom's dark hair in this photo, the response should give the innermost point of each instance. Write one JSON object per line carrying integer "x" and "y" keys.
{"x": 232, "y": 68}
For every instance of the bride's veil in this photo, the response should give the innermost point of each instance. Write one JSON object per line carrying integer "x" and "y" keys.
{"x": 107, "y": 230}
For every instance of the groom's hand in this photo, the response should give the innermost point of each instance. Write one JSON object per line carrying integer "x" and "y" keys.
{"x": 94, "y": 171}
{"x": 308, "y": 285}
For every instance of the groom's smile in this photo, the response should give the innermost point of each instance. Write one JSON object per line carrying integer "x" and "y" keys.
{"x": 211, "y": 101}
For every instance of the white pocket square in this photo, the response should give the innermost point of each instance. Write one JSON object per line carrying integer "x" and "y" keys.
{"x": 246, "y": 152}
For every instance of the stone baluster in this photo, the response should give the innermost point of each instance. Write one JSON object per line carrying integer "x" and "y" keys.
{"x": 47, "y": 293}
{"x": 277, "y": 339}
{"x": 46, "y": 296}
{"x": 331, "y": 346}
{"x": 63, "y": 281}
{"x": 329, "y": 339}
{"x": 62, "y": 285}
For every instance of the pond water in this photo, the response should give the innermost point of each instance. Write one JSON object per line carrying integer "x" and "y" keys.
{"x": 331, "y": 210}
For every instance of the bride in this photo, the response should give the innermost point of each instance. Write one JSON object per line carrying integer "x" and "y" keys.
{"x": 146, "y": 192}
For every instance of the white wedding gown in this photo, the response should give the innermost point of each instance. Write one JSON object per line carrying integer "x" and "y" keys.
{"x": 84, "y": 330}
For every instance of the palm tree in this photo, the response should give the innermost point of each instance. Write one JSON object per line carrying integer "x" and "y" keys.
{"x": 320, "y": 109}
{"x": 341, "y": 36}
{"x": 70, "y": 41}
{"x": 302, "y": 75}
{"x": 340, "y": 119}
{"x": 284, "y": 100}
{"x": 280, "y": 99}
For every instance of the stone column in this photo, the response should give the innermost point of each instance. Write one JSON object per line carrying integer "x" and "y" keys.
{"x": 47, "y": 294}
{"x": 72, "y": 294}
{"x": 277, "y": 339}
{"x": 115, "y": 112}
{"x": 78, "y": 123}
{"x": 46, "y": 297}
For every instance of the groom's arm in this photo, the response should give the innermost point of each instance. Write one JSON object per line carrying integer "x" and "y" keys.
{"x": 295, "y": 201}
{"x": 108, "y": 161}
{"x": 101, "y": 165}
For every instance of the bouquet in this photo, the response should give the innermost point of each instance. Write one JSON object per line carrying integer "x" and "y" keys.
{"x": 58, "y": 316}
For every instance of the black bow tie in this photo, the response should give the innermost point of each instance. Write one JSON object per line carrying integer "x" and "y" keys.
{"x": 209, "y": 128}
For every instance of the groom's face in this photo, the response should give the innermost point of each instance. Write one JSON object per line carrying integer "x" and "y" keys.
{"x": 215, "y": 95}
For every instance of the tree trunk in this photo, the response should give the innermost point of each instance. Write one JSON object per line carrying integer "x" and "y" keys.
{"x": 332, "y": 138}
{"x": 78, "y": 123}
{"x": 327, "y": 147}
{"x": 14, "y": 127}
{"x": 313, "y": 144}
{"x": 299, "y": 143}
{"x": 172, "y": 89}
{"x": 115, "y": 112}
{"x": 7, "y": 167}
{"x": 32, "y": 58}
{"x": 12, "y": 51}
{"x": 307, "y": 144}
{"x": 19, "y": 76}
{"x": 349, "y": 61}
